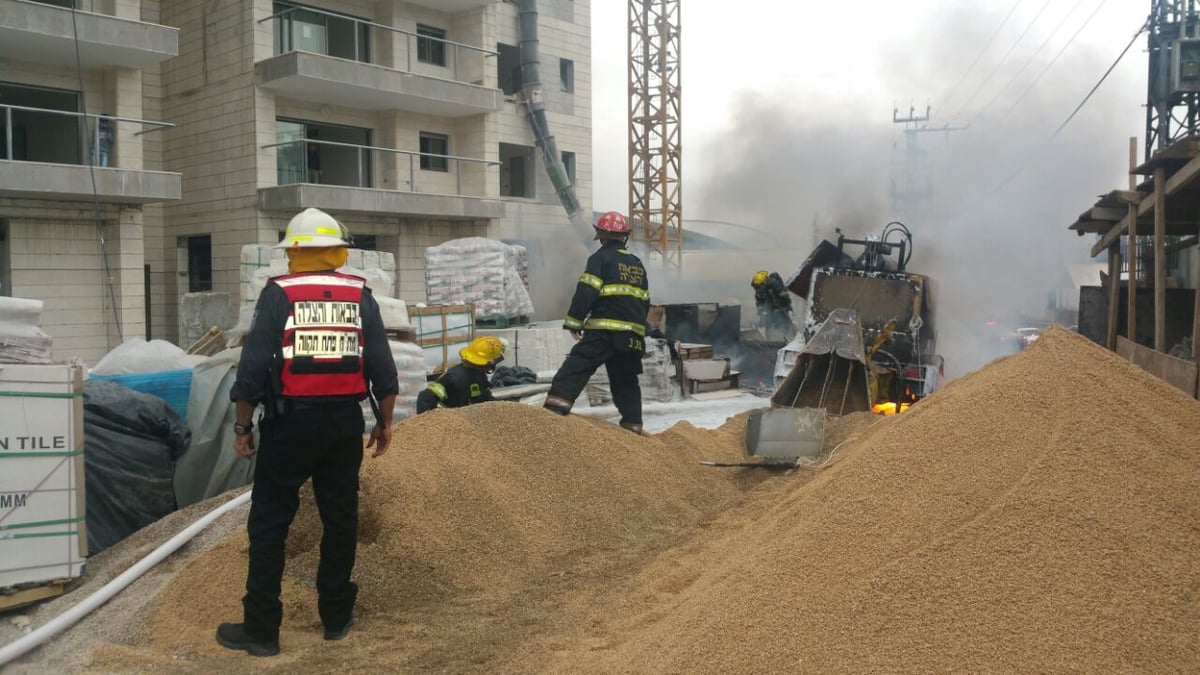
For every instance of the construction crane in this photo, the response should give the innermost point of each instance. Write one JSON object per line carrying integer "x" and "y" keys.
{"x": 655, "y": 189}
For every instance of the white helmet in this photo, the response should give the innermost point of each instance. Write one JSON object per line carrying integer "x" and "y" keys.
{"x": 313, "y": 228}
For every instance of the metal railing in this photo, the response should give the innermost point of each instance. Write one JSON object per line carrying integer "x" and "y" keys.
{"x": 94, "y": 133}
{"x": 362, "y": 153}
{"x": 411, "y": 39}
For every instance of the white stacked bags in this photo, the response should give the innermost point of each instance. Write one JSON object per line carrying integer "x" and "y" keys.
{"x": 483, "y": 272}
{"x": 260, "y": 262}
{"x": 21, "y": 338}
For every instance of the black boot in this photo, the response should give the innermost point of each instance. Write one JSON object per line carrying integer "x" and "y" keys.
{"x": 331, "y": 634}
{"x": 558, "y": 405}
{"x": 635, "y": 427}
{"x": 234, "y": 636}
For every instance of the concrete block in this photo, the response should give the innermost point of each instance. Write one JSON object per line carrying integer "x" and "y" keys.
{"x": 200, "y": 311}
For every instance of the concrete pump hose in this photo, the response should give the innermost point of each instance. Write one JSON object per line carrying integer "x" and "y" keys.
{"x": 60, "y": 623}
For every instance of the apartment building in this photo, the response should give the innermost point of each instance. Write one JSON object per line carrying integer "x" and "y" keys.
{"x": 80, "y": 164}
{"x": 400, "y": 118}
{"x": 137, "y": 166}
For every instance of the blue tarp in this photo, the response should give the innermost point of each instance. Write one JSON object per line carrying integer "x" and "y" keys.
{"x": 172, "y": 386}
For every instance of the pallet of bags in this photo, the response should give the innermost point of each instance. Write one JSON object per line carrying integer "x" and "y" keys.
{"x": 21, "y": 336}
{"x": 486, "y": 273}
{"x": 260, "y": 262}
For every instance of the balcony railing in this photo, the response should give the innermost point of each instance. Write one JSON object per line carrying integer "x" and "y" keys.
{"x": 283, "y": 21}
{"x": 297, "y": 171}
{"x": 100, "y": 141}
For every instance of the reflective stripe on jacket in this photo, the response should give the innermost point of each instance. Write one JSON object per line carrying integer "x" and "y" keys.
{"x": 612, "y": 294}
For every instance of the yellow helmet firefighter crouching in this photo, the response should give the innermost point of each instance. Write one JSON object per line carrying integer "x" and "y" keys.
{"x": 760, "y": 277}
{"x": 486, "y": 351}
{"x": 468, "y": 382}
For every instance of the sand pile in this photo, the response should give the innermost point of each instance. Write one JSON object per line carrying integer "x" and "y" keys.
{"x": 1038, "y": 515}
{"x": 484, "y": 533}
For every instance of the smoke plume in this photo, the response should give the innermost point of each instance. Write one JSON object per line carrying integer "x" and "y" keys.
{"x": 993, "y": 237}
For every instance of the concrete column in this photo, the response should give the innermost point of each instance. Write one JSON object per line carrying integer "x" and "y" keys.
{"x": 125, "y": 9}
{"x": 265, "y": 134}
{"x": 392, "y": 168}
{"x": 124, "y": 283}
{"x": 389, "y": 50}
{"x": 125, "y": 93}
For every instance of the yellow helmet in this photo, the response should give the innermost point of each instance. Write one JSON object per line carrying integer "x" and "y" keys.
{"x": 483, "y": 351}
{"x": 759, "y": 278}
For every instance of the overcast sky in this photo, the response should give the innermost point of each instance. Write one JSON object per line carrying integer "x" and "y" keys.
{"x": 787, "y": 108}
{"x": 847, "y": 63}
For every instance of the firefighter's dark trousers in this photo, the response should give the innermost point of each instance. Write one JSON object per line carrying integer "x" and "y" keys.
{"x": 324, "y": 442}
{"x": 620, "y": 354}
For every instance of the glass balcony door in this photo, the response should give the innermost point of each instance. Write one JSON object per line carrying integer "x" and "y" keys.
{"x": 310, "y": 155}
{"x": 40, "y": 136}
{"x": 302, "y": 29}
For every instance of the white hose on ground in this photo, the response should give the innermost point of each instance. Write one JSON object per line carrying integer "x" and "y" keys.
{"x": 58, "y": 624}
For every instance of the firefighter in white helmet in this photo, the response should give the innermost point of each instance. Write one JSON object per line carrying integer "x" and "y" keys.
{"x": 316, "y": 344}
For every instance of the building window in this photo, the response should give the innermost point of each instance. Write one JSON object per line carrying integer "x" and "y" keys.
{"x": 568, "y": 160}
{"x": 508, "y": 68}
{"x": 431, "y": 45}
{"x": 516, "y": 170}
{"x": 44, "y": 136}
{"x": 199, "y": 264}
{"x": 327, "y": 154}
{"x": 434, "y": 147}
{"x": 299, "y": 28}
{"x": 566, "y": 75}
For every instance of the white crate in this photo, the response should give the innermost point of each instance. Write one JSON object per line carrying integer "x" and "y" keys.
{"x": 42, "y": 506}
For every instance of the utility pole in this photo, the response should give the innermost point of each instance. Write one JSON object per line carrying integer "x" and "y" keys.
{"x": 912, "y": 180}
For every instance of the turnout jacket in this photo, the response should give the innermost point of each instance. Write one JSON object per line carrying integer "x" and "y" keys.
{"x": 612, "y": 294}
{"x": 772, "y": 295}
{"x": 459, "y": 386}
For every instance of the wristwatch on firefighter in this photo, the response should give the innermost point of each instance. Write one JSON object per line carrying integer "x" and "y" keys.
{"x": 243, "y": 429}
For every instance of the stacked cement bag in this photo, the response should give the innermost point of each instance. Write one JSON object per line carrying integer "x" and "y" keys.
{"x": 655, "y": 379}
{"x": 483, "y": 272}
{"x": 410, "y": 371}
{"x": 21, "y": 338}
{"x": 260, "y": 262}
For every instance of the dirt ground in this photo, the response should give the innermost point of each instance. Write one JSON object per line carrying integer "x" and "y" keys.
{"x": 1000, "y": 525}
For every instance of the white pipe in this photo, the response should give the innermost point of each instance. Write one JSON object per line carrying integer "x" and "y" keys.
{"x": 58, "y": 624}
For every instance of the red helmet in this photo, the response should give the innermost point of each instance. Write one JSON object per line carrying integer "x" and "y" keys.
{"x": 612, "y": 222}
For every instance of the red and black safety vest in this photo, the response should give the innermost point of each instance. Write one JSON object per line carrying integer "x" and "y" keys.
{"x": 323, "y": 337}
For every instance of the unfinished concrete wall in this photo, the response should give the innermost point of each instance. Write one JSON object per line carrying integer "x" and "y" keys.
{"x": 1093, "y": 314}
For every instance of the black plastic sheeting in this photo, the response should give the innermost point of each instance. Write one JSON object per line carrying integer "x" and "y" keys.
{"x": 508, "y": 376}
{"x": 131, "y": 443}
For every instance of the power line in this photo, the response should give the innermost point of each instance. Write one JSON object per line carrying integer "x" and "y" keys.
{"x": 997, "y": 67}
{"x": 1028, "y": 62}
{"x": 1079, "y": 107}
{"x": 1102, "y": 79}
{"x": 946, "y": 99}
{"x": 1054, "y": 60}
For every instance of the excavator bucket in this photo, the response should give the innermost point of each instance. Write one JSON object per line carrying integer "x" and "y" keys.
{"x": 829, "y": 378}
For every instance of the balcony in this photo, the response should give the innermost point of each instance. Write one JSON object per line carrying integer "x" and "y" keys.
{"x": 433, "y": 184}
{"x": 32, "y": 31}
{"x": 43, "y": 151}
{"x": 322, "y": 57}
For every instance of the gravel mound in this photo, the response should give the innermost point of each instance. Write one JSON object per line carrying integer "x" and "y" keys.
{"x": 1038, "y": 515}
